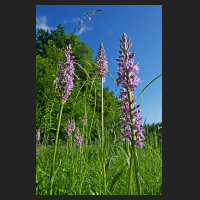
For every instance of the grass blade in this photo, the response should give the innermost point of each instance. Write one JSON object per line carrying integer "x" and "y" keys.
{"x": 52, "y": 179}
{"x": 148, "y": 85}
{"x": 153, "y": 150}
{"x": 107, "y": 165}
{"x": 126, "y": 155}
{"x": 116, "y": 178}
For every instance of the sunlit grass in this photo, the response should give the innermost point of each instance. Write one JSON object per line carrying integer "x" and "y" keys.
{"x": 103, "y": 166}
{"x": 69, "y": 182}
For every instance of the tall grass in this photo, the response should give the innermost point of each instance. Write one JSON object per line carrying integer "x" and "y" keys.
{"x": 88, "y": 180}
{"x": 100, "y": 167}
{"x": 83, "y": 176}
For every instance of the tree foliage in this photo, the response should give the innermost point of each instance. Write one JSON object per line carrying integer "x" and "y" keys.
{"x": 49, "y": 51}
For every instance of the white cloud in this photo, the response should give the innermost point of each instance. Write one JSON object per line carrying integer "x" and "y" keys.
{"x": 72, "y": 20}
{"x": 83, "y": 29}
{"x": 42, "y": 23}
{"x": 75, "y": 20}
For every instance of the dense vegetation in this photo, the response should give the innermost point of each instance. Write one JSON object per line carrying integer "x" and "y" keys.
{"x": 49, "y": 51}
{"x": 70, "y": 177}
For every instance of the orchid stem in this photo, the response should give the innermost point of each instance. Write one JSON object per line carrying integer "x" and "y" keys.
{"x": 133, "y": 153}
{"x": 55, "y": 146}
{"x": 102, "y": 139}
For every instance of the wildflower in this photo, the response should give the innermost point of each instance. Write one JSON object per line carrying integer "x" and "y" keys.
{"x": 38, "y": 134}
{"x": 78, "y": 138}
{"x": 126, "y": 133}
{"x": 70, "y": 127}
{"x": 138, "y": 142}
{"x": 83, "y": 120}
{"x": 64, "y": 78}
{"x": 73, "y": 125}
{"x": 127, "y": 76}
{"x": 101, "y": 61}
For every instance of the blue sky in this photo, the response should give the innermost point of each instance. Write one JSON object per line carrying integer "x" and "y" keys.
{"x": 141, "y": 23}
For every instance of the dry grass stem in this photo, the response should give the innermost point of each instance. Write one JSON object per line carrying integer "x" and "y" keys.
{"x": 99, "y": 67}
{"x": 83, "y": 70}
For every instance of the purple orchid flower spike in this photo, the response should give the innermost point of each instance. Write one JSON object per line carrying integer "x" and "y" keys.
{"x": 64, "y": 78}
{"x": 38, "y": 134}
{"x": 127, "y": 76}
{"x": 101, "y": 61}
{"x": 83, "y": 120}
{"x": 73, "y": 125}
{"x": 78, "y": 139}
{"x": 70, "y": 127}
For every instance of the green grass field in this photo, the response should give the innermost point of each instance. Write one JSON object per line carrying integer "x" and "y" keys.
{"x": 84, "y": 176}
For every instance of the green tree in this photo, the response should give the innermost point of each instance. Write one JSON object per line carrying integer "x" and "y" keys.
{"x": 49, "y": 51}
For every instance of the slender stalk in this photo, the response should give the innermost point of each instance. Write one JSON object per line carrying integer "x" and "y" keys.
{"x": 93, "y": 111}
{"x": 72, "y": 156}
{"x": 76, "y": 163}
{"x": 130, "y": 173}
{"x": 83, "y": 135}
{"x": 44, "y": 140}
{"x": 133, "y": 153}
{"x": 127, "y": 146}
{"x": 55, "y": 146}
{"x": 82, "y": 161}
{"x": 86, "y": 138}
{"x": 67, "y": 146}
{"x": 102, "y": 139}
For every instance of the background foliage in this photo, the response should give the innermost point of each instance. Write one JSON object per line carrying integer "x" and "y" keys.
{"x": 49, "y": 51}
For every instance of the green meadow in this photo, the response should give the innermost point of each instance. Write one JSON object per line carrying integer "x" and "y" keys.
{"x": 98, "y": 162}
{"x": 84, "y": 176}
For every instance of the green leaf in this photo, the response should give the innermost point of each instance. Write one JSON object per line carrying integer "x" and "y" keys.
{"x": 126, "y": 155}
{"x": 153, "y": 150}
{"x": 52, "y": 178}
{"x": 107, "y": 164}
{"x": 116, "y": 178}
{"x": 161, "y": 189}
{"x": 148, "y": 85}
{"x": 37, "y": 184}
